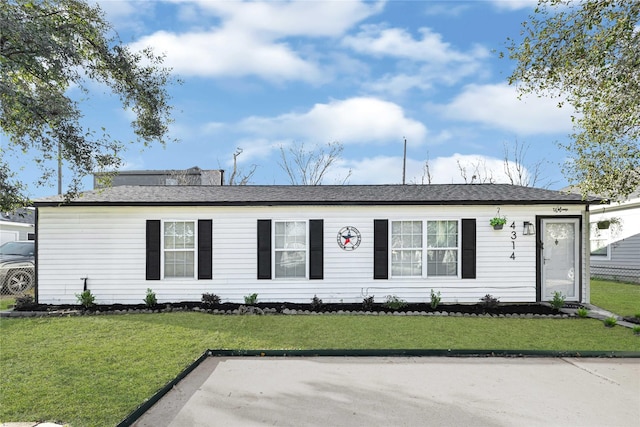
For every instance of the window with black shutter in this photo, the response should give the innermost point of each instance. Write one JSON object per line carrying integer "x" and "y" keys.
{"x": 468, "y": 248}
{"x": 205, "y": 249}
{"x": 153, "y": 250}
{"x": 380, "y": 249}
{"x": 316, "y": 249}
{"x": 264, "y": 249}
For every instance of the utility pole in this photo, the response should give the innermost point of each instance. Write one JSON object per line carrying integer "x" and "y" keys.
{"x": 404, "y": 162}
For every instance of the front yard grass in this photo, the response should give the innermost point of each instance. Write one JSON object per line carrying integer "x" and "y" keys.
{"x": 94, "y": 371}
{"x": 6, "y": 302}
{"x": 620, "y": 298}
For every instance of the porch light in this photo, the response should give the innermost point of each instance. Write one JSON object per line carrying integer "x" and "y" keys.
{"x": 529, "y": 229}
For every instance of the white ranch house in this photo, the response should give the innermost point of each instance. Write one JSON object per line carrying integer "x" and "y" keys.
{"x": 291, "y": 243}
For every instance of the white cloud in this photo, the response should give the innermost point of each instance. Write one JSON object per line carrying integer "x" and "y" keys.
{"x": 229, "y": 53}
{"x": 447, "y": 170}
{"x": 254, "y": 150}
{"x": 117, "y": 9}
{"x": 126, "y": 14}
{"x": 251, "y": 38}
{"x": 291, "y": 18}
{"x": 351, "y": 121}
{"x": 444, "y": 170}
{"x": 424, "y": 78}
{"x": 370, "y": 170}
{"x": 430, "y": 59}
{"x": 398, "y": 43}
{"x": 446, "y": 9}
{"x": 514, "y": 4}
{"x": 498, "y": 106}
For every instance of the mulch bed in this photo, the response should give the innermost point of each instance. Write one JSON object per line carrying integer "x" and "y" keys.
{"x": 294, "y": 308}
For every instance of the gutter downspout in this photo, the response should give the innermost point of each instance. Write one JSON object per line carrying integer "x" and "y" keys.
{"x": 587, "y": 250}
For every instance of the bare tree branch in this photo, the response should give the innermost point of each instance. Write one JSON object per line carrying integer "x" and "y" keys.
{"x": 426, "y": 171}
{"x": 310, "y": 167}
{"x": 478, "y": 170}
{"x": 520, "y": 173}
{"x": 238, "y": 176}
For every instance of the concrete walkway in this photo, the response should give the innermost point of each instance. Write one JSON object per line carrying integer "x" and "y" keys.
{"x": 403, "y": 391}
{"x": 596, "y": 312}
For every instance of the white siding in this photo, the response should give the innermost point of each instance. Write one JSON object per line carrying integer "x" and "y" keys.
{"x": 623, "y": 261}
{"x": 12, "y": 231}
{"x": 107, "y": 245}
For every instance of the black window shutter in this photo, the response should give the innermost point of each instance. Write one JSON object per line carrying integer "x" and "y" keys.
{"x": 153, "y": 250}
{"x": 205, "y": 249}
{"x": 468, "y": 248}
{"x": 316, "y": 249}
{"x": 380, "y": 249}
{"x": 264, "y": 249}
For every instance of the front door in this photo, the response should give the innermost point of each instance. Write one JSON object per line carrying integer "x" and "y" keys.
{"x": 560, "y": 258}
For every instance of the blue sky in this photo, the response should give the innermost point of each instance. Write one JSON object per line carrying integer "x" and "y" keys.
{"x": 261, "y": 75}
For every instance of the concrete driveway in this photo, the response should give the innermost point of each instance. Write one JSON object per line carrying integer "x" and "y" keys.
{"x": 403, "y": 391}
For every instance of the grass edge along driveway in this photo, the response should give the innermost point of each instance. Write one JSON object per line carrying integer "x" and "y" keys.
{"x": 620, "y": 298}
{"x": 95, "y": 370}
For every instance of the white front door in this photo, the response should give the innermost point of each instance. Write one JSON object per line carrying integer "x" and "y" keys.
{"x": 560, "y": 258}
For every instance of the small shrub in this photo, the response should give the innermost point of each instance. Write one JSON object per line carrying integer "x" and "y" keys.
{"x": 582, "y": 312}
{"x": 558, "y": 300}
{"x": 316, "y": 303}
{"x": 86, "y": 299}
{"x": 394, "y": 303}
{"x": 637, "y": 316}
{"x": 367, "y": 303}
{"x": 610, "y": 322}
{"x": 498, "y": 221}
{"x": 150, "y": 299}
{"x": 489, "y": 301}
{"x": 24, "y": 302}
{"x": 251, "y": 299}
{"x": 435, "y": 299}
{"x": 636, "y": 330}
{"x": 210, "y": 299}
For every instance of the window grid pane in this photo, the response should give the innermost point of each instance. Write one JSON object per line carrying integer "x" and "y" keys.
{"x": 179, "y": 249}
{"x": 406, "y": 243}
{"x": 442, "y": 244}
{"x": 599, "y": 241}
{"x": 179, "y": 235}
{"x": 178, "y": 264}
{"x": 290, "y": 243}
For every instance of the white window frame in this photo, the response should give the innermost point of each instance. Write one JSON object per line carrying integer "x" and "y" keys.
{"x": 194, "y": 250}
{"x": 425, "y": 249}
{"x": 407, "y": 249}
{"x": 275, "y": 249}
{"x": 457, "y": 249}
{"x": 607, "y": 239}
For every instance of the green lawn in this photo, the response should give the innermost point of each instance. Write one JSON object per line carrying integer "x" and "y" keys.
{"x": 93, "y": 371}
{"x": 6, "y": 302}
{"x": 620, "y": 298}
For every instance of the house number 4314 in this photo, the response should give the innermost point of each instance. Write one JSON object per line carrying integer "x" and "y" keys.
{"x": 514, "y": 236}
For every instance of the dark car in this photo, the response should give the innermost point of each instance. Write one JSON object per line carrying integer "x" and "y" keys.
{"x": 17, "y": 266}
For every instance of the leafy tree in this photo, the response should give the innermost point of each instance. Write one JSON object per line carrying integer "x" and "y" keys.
{"x": 588, "y": 52}
{"x": 48, "y": 47}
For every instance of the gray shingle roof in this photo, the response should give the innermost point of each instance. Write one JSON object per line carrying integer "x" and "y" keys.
{"x": 433, "y": 194}
{"x": 20, "y": 215}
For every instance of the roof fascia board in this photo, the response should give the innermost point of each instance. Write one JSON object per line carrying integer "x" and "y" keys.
{"x": 326, "y": 203}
